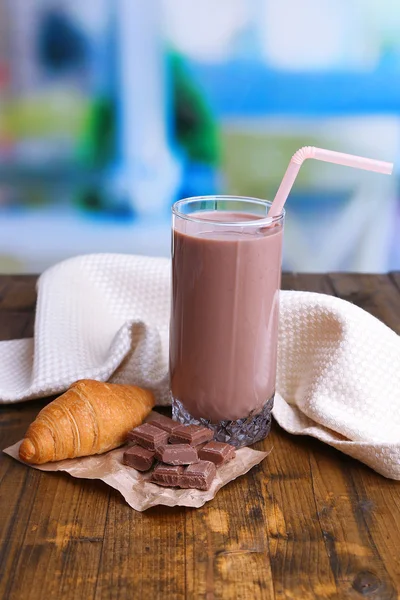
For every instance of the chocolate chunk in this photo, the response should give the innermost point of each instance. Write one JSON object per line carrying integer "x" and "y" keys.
{"x": 166, "y": 475}
{"x": 217, "y": 452}
{"x": 191, "y": 434}
{"x": 163, "y": 422}
{"x": 138, "y": 458}
{"x": 148, "y": 436}
{"x": 177, "y": 454}
{"x": 198, "y": 476}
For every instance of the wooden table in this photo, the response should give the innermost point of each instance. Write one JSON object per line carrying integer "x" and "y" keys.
{"x": 307, "y": 523}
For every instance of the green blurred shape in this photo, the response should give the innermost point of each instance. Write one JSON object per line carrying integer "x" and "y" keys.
{"x": 97, "y": 143}
{"x": 194, "y": 125}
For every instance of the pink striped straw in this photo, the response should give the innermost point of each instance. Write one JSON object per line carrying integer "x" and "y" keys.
{"x": 349, "y": 160}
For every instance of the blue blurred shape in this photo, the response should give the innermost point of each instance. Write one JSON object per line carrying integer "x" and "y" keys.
{"x": 244, "y": 88}
{"x": 60, "y": 42}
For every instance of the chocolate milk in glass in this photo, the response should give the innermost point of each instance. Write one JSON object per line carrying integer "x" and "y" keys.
{"x": 224, "y": 321}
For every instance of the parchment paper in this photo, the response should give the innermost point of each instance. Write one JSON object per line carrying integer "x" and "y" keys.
{"x": 139, "y": 493}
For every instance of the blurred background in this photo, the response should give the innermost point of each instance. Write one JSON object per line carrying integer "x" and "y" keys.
{"x": 110, "y": 110}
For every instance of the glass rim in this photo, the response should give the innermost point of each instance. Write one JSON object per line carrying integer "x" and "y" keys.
{"x": 249, "y": 199}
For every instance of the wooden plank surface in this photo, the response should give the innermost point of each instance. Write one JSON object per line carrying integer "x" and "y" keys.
{"x": 307, "y": 523}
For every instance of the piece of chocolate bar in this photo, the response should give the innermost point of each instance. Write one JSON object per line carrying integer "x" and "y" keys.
{"x": 166, "y": 475}
{"x": 191, "y": 434}
{"x": 148, "y": 436}
{"x": 139, "y": 458}
{"x": 163, "y": 422}
{"x": 198, "y": 476}
{"x": 217, "y": 452}
{"x": 177, "y": 454}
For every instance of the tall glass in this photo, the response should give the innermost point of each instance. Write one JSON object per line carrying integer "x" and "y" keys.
{"x": 226, "y": 273}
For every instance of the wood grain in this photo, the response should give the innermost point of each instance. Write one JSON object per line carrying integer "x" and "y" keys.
{"x": 143, "y": 554}
{"x": 300, "y": 563}
{"x": 308, "y": 282}
{"x": 376, "y": 294}
{"x": 378, "y": 498}
{"x": 308, "y": 523}
{"x": 226, "y": 547}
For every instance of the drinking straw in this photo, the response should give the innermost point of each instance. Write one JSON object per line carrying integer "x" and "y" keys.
{"x": 339, "y": 158}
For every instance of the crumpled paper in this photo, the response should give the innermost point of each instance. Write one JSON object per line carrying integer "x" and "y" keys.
{"x": 135, "y": 487}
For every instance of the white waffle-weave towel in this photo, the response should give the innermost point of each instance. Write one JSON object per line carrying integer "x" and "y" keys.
{"x": 105, "y": 317}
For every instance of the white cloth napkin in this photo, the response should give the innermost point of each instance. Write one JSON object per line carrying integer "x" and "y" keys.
{"x": 106, "y": 316}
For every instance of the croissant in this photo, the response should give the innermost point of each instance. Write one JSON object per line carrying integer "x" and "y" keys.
{"x": 89, "y": 418}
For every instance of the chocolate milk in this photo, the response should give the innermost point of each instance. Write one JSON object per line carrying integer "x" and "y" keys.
{"x": 224, "y": 320}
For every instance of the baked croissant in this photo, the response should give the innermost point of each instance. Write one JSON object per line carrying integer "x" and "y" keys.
{"x": 89, "y": 418}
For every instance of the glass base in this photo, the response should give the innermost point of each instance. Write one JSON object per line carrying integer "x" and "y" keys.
{"x": 242, "y": 432}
